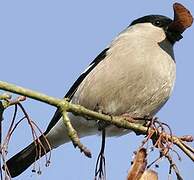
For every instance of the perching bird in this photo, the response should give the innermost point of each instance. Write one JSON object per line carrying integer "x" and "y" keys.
{"x": 134, "y": 75}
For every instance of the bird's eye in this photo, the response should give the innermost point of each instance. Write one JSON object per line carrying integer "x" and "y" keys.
{"x": 157, "y": 23}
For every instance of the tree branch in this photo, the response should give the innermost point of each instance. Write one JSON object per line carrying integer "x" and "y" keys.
{"x": 122, "y": 122}
{"x": 29, "y": 93}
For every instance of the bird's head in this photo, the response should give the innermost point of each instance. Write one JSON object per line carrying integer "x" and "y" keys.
{"x": 172, "y": 29}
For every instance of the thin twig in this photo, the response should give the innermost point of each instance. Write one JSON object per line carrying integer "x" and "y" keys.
{"x": 174, "y": 167}
{"x": 179, "y": 143}
{"x": 73, "y": 135}
{"x": 1, "y": 119}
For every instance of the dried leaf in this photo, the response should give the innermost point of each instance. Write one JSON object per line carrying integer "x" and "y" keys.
{"x": 139, "y": 165}
{"x": 182, "y": 18}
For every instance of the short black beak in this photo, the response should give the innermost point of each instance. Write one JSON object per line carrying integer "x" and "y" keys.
{"x": 172, "y": 34}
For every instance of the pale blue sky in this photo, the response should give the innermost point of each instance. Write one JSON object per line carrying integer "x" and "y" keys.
{"x": 45, "y": 45}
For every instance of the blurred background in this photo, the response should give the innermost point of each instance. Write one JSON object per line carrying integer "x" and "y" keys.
{"x": 45, "y": 45}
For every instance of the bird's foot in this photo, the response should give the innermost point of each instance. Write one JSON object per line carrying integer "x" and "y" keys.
{"x": 128, "y": 117}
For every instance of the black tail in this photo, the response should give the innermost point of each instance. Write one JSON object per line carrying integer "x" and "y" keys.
{"x": 21, "y": 161}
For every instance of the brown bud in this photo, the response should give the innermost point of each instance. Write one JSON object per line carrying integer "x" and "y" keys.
{"x": 187, "y": 138}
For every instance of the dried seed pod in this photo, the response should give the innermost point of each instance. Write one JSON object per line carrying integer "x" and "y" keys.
{"x": 149, "y": 174}
{"x": 182, "y": 18}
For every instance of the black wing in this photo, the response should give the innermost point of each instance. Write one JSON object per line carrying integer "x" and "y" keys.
{"x": 75, "y": 86}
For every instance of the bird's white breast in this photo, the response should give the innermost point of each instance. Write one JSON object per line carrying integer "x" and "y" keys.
{"x": 136, "y": 77}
